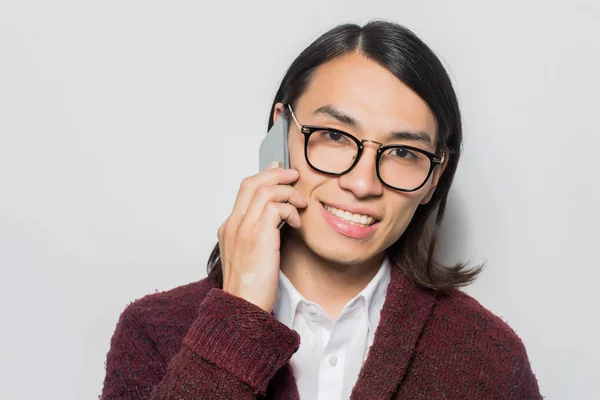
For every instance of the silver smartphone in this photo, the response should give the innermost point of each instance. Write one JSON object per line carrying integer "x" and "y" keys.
{"x": 274, "y": 146}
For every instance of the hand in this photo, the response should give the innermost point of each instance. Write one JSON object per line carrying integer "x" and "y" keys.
{"x": 249, "y": 240}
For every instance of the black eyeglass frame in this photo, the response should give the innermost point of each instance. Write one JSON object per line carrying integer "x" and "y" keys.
{"x": 308, "y": 130}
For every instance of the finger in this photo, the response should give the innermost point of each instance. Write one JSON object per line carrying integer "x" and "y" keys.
{"x": 221, "y": 230}
{"x": 248, "y": 187}
{"x": 273, "y": 213}
{"x": 279, "y": 194}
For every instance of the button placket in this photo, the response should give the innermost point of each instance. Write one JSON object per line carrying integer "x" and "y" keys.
{"x": 333, "y": 361}
{"x": 331, "y": 375}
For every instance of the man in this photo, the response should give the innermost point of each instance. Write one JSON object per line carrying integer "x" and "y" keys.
{"x": 346, "y": 300}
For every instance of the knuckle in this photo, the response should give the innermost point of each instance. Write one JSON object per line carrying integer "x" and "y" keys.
{"x": 242, "y": 230}
{"x": 287, "y": 190}
{"x": 271, "y": 208}
{"x": 295, "y": 194}
{"x": 262, "y": 192}
{"x": 291, "y": 211}
{"x": 228, "y": 231}
{"x": 246, "y": 183}
{"x": 222, "y": 228}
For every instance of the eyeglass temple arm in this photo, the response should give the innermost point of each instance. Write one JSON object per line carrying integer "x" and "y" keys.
{"x": 289, "y": 106}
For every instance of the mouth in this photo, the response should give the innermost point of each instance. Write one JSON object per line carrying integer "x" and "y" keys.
{"x": 360, "y": 220}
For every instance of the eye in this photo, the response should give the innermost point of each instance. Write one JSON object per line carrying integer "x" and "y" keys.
{"x": 403, "y": 153}
{"x": 333, "y": 136}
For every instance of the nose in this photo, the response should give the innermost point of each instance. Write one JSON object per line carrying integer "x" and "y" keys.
{"x": 362, "y": 180}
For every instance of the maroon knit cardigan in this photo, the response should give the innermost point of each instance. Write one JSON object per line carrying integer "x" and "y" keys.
{"x": 198, "y": 342}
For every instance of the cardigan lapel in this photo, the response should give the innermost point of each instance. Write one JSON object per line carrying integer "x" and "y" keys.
{"x": 404, "y": 314}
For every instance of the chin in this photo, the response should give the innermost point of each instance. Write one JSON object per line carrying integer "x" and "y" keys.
{"x": 340, "y": 250}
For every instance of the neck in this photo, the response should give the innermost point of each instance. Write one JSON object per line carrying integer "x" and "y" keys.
{"x": 325, "y": 282}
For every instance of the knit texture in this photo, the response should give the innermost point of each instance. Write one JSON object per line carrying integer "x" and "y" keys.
{"x": 198, "y": 342}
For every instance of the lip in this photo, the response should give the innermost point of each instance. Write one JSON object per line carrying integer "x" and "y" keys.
{"x": 354, "y": 210}
{"x": 347, "y": 229}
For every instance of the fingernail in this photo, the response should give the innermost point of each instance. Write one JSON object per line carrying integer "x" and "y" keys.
{"x": 274, "y": 164}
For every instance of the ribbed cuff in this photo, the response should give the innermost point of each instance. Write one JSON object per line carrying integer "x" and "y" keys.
{"x": 241, "y": 338}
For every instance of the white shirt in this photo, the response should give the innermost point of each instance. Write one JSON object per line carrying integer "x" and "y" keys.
{"x": 331, "y": 353}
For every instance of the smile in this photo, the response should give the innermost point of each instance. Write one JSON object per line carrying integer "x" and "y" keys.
{"x": 352, "y": 225}
{"x": 347, "y": 216}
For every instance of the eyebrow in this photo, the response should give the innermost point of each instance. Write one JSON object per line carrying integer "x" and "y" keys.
{"x": 330, "y": 111}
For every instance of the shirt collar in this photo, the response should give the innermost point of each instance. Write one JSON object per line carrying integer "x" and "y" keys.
{"x": 287, "y": 301}
{"x": 373, "y": 294}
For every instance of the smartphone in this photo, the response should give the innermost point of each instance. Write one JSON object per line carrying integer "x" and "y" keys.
{"x": 274, "y": 146}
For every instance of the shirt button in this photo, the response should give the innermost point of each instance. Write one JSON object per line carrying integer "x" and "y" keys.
{"x": 333, "y": 361}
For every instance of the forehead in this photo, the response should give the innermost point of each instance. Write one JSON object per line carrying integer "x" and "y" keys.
{"x": 368, "y": 92}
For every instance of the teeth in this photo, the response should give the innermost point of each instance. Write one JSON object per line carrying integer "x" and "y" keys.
{"x": 357, "y": 219}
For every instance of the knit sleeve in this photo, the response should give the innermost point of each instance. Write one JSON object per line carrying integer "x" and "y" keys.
{"x": 525, "y": 383}
{"x": 231, "y": 351}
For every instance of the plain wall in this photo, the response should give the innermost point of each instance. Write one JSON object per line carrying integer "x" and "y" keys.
{"x": 127, "y": 126}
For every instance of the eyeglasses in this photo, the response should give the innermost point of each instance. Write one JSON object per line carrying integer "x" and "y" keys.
{"x": 335, "y": 152}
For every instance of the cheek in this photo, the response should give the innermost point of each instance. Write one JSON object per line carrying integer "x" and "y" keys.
{"x": 296, "y": 149}
{"x": 309, "y": 179}
{"x": 404, "y": 207}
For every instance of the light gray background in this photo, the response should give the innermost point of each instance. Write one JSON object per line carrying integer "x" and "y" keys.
{"x": 126, "y": 127}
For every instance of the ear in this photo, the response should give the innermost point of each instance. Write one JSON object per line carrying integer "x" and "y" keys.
{"x": 437, "y": 174}
{"x": 278, "y": 110}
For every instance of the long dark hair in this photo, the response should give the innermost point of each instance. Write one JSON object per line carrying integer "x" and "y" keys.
{"x": 400, "y": 51}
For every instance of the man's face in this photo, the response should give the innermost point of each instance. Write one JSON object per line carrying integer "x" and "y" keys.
{"x": 380, "y": 104}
